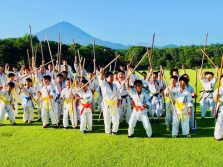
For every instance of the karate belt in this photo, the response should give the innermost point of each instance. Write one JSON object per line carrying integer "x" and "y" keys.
{"x": 111, "y": 103}
{"x": 86, "y": 105}
{"x": 47, "y": 100}
{"x": 6, "y": 102}
{"x": 137, "y": 108}
{"x": 69, "y": 101}
{"x": 27, "y": 100}
{"x": 180, "y": 106}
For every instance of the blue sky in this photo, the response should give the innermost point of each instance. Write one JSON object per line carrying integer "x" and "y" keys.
{"x": 125, "y": 21}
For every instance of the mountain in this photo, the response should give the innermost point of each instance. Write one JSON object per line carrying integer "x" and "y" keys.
{"x": 69, "y": 32}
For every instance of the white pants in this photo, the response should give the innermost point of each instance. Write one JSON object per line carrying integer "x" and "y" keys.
{"x": 205, "y": 104}
{"x": 86, "y": 121}
{"x": 59, "y": 110}
{"x": 6, "y": 109}
{"x": 139, "y": 116}
{"x": 156, "y": 106}
{"x": 72, "y": 115}
{"x": 28, "y": 113}
{"x": 177, "y": 119}
{"x": 193, "y": 123}
{"x": 111, "y": 116}
{"x": 51, "y": 113}
{"x": 169, "y": 113}
{"x": 218, "y": 131}
{"x": 125, "y": 110}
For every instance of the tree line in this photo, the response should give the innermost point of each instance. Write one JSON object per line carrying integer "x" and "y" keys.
{"x": 14, "y": 52}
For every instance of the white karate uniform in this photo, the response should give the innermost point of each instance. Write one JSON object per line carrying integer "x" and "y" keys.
{"x": 48, "y": 105}
{"x": 7, "y": 100}
{"x": 125, "y": 107}
{"x": 138, "y": 114}
{"x": 28, "y": 104}
{"x": 85, "y": 109}
{"x": 156, "y": 98}
{"x": 182, "y": 103}
{"x": 69, "y": 108}
{"x": 109, "y": 106}
{"x": 207, "y": 100}
{"x": 218, "y": 131}
{"x": 59, "y": 101}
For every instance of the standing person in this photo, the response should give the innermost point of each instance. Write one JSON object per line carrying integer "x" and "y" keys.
{"x": 168, "y": 105}
{"x": 48, "y": 95}
{"x": 155, "y": 89}
{"x": 110, "y": 106}
{"x": 125, "y": 106}
{"x": 140, "y": 105}
{"x": 182, "y": 103}
{"x": 7, "y": 103}
{"x": 85, "y": 96}
{"x": 208, "y": 82}
{"x": 69, "y": 108}
{"x": 218, "y": 97}
{"x": 27, "y": 103}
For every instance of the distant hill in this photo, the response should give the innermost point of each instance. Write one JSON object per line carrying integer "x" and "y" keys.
{"x": 69, "y": 32}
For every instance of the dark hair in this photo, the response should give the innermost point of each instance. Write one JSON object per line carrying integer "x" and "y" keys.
{"x": 138, "y": 82}
{"x": 11, "y": 84}
{"x": 155, "y": 73}
{"x": 107, "y": 74}
{"x": 60, "y": 75}
{"x": 182, "y": 78}
{"x": 69, "y": 79}
{"x": 84, "y": 81}
{"x": 47, "y": 77}
{"x": 174, "y": 69}
{"x": 144, "y": 73}
{"x": 11, "y": 75}
{"x": 174, "y": 77}
{"x": 208, "y": 72}
{"x": 29, "y": 80}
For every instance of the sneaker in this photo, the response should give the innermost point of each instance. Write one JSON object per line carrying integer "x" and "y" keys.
{"x": 29, "y": 122}
{"x": 38, "y": 120}
{"x": 26, "y": 122}
{"x": 65, "y": 127}
{"x": 13, "y": 123}
{"x": 84, "y": 131}
{"x": 174, "y": 136}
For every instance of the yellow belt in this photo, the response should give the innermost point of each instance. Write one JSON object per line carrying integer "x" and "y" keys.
{"x": 180, "y": 106}
{"x": 110, "y": 102}
{"x": 69, "y": 101}
{"x": 47, "y": 100}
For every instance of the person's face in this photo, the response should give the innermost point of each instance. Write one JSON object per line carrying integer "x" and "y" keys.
{"x": 85, "y": 86}
{"x": 15, "y": 69}
{"x": 27, "y": 71}
{"x": 50, "y": 67}
{"x": 115, "y": 76}
{"x": 42, "y": 70}
{"x": 155, "y": 76}
{"x": 28, "y": 83}
{"x": 175, "y": 73}
{"x": 121, "y": 75}
{"x": 1, "y": 69}
{"x": 110, "y": 79}
{"x": 138, "y": 87}
{"x": 173, "y": 82}
{"x": 65, "y": 68}
{"x": 91, "y": 75}
{"x": 59, "y": 79}
{"x": 68, "y": 83}
{"x": 182, "y": 85}
{"x": 12, "y": 78}
{"x": 144, "y": 75}
{"x": 122, "y": 68}
{"x": 209, "y": 77}
{"x": 46, "y": 81}
{"x": 64, "y": 62}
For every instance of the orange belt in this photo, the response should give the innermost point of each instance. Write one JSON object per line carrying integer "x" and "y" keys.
{"x": 137, "y": 108}
{"x": 87, "y": 105}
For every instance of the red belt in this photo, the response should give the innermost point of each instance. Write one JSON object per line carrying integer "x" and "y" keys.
{"x": 87, "y": 105}
{"x": 137, "y": 108}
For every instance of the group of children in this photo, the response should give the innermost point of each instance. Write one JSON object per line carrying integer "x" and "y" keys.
{"x": 66, "y": 98}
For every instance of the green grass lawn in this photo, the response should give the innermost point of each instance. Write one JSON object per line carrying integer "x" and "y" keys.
{"x": 31, "y": 145}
